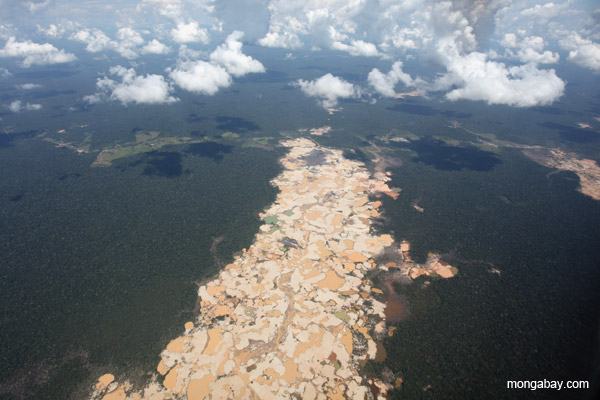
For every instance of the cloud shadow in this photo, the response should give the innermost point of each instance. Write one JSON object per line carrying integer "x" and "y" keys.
{"x": 420, "y": 109}
{"x": 6, "y": 139}
{"x": 236, "y": 124}
{"x": 166, "y": 164}
{"x": 452, "y": 158}
{"x": 212, "y": 150}
{"x": 572, "y": 133}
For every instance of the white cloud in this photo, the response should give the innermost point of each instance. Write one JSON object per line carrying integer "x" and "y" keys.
{"x": 470, "y": 75}
{"x": 405, "y": 38}
{"x": 357, "y": 48}
{"x": 148, "y": 89}
{"x": 190, "y": 33}
{"x": 384, "y": 83}
{"x": 482, "y": 80}
{"x": 35, "y": 6}
{"x": 28, "y": 86}
{"x": 4, "y": 73}
{"x": 17, "y": 106}
{"x": 329, "y": 89}
{"x": 229, "y": 55}
{"x": 208, "y": 78}
{"x": 185, "y": 53}
{"x": 35, "y": 53}
{"x": 155, "y": 47}
{"x": 169, "y": 9}
{"x": 126, "y": 44}
{"x": 547, "y": 11}
{"x": 529, "y": 49}
{"x": 582, "y": 52}
{"x": 283, "y": 40}
{"x": 200, "y": 77}
{"x": 95, "y": 39}
{"x": 54, "y": 31}
{"x": 444, "y": 32}
{"x": 128, "y": 40}
{"x": 451, "y": 28}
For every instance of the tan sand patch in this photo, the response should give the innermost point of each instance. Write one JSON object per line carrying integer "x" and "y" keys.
{"x": 215, "y": 290}
{"x": 313, "y": 215}
{"x": 331, "y": 281}
{"x": 361, "y": 202}
{"x": 404, "y": 246}
{"x": 104, "y": 381}
{"x": 337, "y": 220}
{"x": 355, "y": 256}
{"x": 177, "y": 345}
{"x": 311, "y": 274}
{"x": 171, "y": 379}
{"x": 291, "y": 371}
{"x": 324, "y": 252}
{"x": 336, "y": 393}
{"x": 214, "y": 338}
{"x": 198, "y": 389}
{"x": 346, "y": 340}
{"x": 117, "y": 394}
{"x": 162, "y": 368}
{"x": 349, "y": 266}
{"x": 222, "y": 310}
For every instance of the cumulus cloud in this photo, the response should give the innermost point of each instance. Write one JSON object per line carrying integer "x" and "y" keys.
{"x": 283, "y": 40}
{"x": 189, "y": 33}
{"x": 547, "y": 11}
{"x": 17, "y": 106}
{"x": 28, "y": 86}
{"x": 449, "y": 33}
{"x": 470, "y": 75}
{"x": 4, "y": 73}
{"x": 328, "y": 89}
{"x": 155, "y": 47}
{"x": 126, "y": 44}
{"x": 38, "y": 5}
{"x": 127, "y": 40}
{"x": 405, "y": 38}
{"x": 200, "y": 77}
{"x": 357, "y": 48}
{"x": 384, "y": 83}
{"x": 95, "y": 39}
{"x": 148, "y": 89}
{"x": 229, "y": 55}
{"x": 35, "y": 53}
{"x": 480, "y": 79}
{"x": 582, "y": 52}
{"x": 53, "y": 31}
{"x": 208, "y": 78}
{"x": 529, "y": 49}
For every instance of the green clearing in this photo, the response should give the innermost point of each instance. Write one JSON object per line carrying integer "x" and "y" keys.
{"x": 144, "y": 143}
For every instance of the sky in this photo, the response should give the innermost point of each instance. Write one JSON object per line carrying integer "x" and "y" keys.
{"x": 494, "y": 51}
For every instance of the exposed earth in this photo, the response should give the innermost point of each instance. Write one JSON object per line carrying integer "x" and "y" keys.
{"x": 295, "y": 314}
